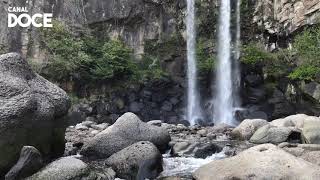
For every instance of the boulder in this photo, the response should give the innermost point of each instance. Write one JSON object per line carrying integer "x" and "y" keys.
{"x": 139, "y": 161}
{"x": 30, "y": 162}
{"x": 127, "y": 130}
{"x": 271, "y": 134}
{"x": 67, "y": 168}
{"x": 308, "y": 152}
{"x": 291, "y": 121}
{"x": 179, "y": 147}
{"x": 247, "y": 128}
{"x": 312, "y": 156}
{"x": 195, "y": 149}
{"x": 311, "y": 130}
{"x": 32, "y": 112}
{"x": 265, "y": 161}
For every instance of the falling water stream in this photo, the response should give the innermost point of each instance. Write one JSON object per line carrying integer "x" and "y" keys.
{"x": 236, "y": 65}
{"x": 223, "y": 102}
{"x": 193, "y": 110}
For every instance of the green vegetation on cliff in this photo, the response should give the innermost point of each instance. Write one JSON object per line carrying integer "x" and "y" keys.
{"x": 82, "y": 57}
{"x": 205, "y": 58}
{"x": 307, "y": 47}
{"x": 302, "y": 62}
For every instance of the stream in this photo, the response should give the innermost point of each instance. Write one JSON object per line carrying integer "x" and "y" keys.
{"x": 185, "y": 166}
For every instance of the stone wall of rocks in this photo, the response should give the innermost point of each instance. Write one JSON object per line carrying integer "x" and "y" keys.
{"x": 161, "y": 99}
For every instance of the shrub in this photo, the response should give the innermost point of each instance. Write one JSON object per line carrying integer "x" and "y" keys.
{"x": 150, "y": 69}
{"x": 281, "y": 63}
{"x": 306, "y": 72}
{"x": 307, "y": 46}
{"x": 116, "y": 62}
{"x": 65, "y": 52}
{"x": 254, "y": 54}
{"x": 83, "y": 58}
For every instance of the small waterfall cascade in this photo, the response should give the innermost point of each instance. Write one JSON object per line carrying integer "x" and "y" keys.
{"x": 193, "y": 108}
{"x": 236, "y": 65}
{"x": 223, "y": 101}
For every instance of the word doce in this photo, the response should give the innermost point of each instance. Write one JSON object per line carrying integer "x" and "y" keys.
{"x": 25, "y": 20}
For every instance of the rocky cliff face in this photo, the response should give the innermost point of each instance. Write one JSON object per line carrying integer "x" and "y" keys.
{"x": 284, "y": 17}
{"x": 137, "y": 21}
{"x": 132, "y": 20}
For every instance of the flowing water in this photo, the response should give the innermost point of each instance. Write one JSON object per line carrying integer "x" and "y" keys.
{"x": 223, "y": 102}
{"x": 193, "y": 109}
{"x": 236, "y": 65}
{"x": 185, "y": 166}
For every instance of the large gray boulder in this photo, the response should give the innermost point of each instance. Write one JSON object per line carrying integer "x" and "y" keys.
{"x": 259, "y": 163}
{"x": 139, "y": 161}
{"x": 67, "y": 168}
{"x": 311, "y": 130}
{"x": 296, "y": 121}
{"x": 271, "y": 134}
{"x": 31, "y": 112}
{"x": 247, "y": 128}
{"x": 127, "y": 130}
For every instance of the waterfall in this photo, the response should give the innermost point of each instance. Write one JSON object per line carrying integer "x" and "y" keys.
{"x": 236, "y": 65}
{"x": 193, "y": 109}
{"x": 223, "y": 102}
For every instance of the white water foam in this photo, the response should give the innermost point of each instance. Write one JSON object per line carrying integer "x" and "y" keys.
{"x": 181, "y": 166}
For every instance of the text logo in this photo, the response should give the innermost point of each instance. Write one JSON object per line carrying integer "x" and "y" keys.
{"x": 26, "y": 20}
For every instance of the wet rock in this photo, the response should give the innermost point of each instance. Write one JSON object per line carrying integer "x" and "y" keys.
{"x": 127, "y": 130}
{"x": 139, "y": 161}
{"x": 179, "y": 147}
{"x": 30, "y": 162}
{"x": 206, "y": 150}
